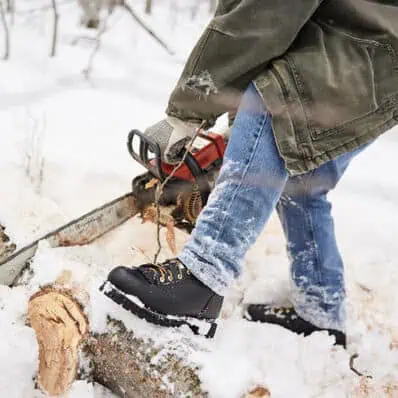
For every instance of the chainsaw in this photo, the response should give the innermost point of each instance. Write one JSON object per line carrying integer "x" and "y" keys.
{"x": 185, "y": 190}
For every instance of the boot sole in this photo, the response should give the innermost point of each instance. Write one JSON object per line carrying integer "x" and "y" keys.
{"x": 302, "y": 328}
{"x": 200, "y": 327}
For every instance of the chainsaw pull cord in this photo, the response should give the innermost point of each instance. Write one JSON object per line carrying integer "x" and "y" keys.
{"x": 160, "y": 188}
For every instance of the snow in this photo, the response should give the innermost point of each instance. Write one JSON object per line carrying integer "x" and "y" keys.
{"x": 81, "y": 127}
{"x": 18, "y": 348}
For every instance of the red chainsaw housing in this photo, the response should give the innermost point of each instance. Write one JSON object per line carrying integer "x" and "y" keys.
{"x": 206, "y": 157}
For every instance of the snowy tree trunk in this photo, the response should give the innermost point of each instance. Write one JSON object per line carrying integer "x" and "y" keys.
{"x": 6, "y": 31}
{"x": 148, "y": 6}
{"x": 129, "y": 366}
{"x": 55, "y": 28}
{"x": 91, "y": 12}
{"x": 10, "y": 6}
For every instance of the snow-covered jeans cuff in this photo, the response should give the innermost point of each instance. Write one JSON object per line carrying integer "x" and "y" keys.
{"x": 252, "y": 183}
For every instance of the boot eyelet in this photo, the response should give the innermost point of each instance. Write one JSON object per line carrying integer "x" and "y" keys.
{"x": 170, "y": 278}
{"x": 162, "y": 279}
{"x": 179, "y": 276}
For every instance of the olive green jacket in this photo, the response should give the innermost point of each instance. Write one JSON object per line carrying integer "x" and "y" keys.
{"x": 327, "y": 71}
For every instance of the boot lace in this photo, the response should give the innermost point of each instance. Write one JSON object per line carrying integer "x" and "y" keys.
{"x": 165, "y": 270}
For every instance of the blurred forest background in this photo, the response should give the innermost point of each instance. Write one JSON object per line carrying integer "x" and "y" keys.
{"x": 94, "y": 15}
{"x": 75, "y": 77}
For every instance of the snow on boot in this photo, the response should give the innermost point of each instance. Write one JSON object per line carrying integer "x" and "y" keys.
{"x": 166, "y": 294}
{"x": 288, "y": 318}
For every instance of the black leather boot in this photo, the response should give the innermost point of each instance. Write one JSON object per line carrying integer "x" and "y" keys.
{"x": 288, "y": 318}
{"x": 166, "y": 294}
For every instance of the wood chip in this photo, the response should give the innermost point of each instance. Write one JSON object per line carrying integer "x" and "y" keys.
{"x": 151, "y": 183}
{"x": 171, "y": 237}
{"x": 259, "y": 392}
{"x": 149, "y": 214}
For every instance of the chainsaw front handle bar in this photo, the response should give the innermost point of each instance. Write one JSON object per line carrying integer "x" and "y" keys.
{"x": 154, "y": 164}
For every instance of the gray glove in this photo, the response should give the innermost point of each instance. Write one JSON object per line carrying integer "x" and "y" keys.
{"x": 171, "y": 134}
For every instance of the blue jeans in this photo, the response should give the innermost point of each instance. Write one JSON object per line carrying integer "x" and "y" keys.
{"x": 252, "y": 183}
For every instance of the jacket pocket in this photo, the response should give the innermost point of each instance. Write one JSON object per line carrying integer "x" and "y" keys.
{"x": 340, "y": 78}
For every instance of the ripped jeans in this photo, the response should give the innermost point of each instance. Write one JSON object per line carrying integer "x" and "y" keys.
{"x": 252, "y": 183}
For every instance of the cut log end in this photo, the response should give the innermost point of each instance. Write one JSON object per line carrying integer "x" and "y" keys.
{"x": 60, "y": 325}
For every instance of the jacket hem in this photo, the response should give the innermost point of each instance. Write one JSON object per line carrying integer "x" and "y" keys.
{"x": 302, "y": 157}
{"x": 305, "y": 165}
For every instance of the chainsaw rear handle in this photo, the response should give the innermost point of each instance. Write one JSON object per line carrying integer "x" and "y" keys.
{"x": 154, "y": 164}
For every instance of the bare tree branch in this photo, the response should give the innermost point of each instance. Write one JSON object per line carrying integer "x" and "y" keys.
{"x": 128, "y": 8}
{"x": 44, "y": 8}
{"x": 101, "y": 31}
{"x": 6, "y": 31}
{"x": 10, "y": 9}
{"x": 55, "y": 28}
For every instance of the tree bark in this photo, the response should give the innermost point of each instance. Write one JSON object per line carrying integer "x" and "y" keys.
{"x": 129, "y": 366}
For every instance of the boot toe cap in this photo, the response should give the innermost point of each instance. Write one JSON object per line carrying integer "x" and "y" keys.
{"x": 128, "y": 280}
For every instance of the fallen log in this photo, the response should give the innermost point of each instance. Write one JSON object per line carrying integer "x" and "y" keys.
{"x": 129, "y": 366}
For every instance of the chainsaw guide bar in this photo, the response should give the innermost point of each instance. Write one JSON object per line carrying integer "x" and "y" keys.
{"x": 93, "y": 225}
{"x": 80, "y": 231}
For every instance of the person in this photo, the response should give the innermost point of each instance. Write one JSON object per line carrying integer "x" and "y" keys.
{"x": 320, "y": 83}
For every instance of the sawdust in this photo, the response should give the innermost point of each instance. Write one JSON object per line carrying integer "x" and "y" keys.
{"x": 64, "y": 278}
{"x": 367, "y": 388}
{"x": 150, "y": 214}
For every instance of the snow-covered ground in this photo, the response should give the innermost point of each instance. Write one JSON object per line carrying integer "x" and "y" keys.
{"x": 62, "y": 152}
